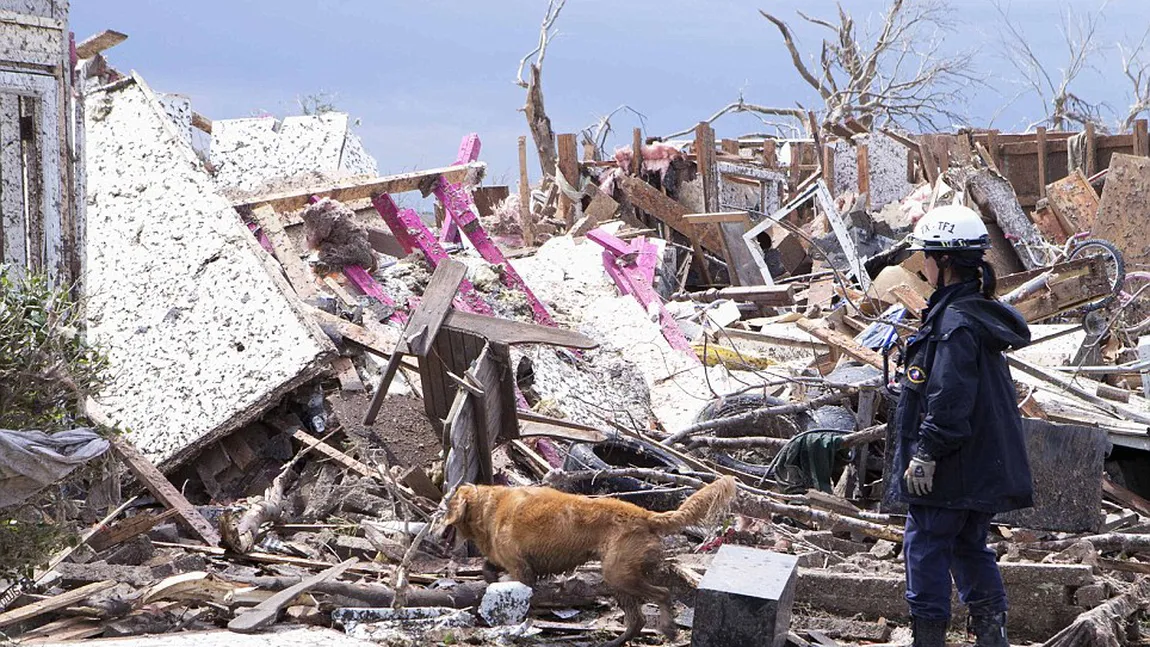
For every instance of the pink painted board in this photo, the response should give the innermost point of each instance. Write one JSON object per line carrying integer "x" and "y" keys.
{"x": 468, "y": 152}
{"x": 457, "y": 203}
{"x": 610, "y": 243}
{"x": 262, "y": 238}
{"x": 412, "y": 234}
{"x": 648, "y": 258}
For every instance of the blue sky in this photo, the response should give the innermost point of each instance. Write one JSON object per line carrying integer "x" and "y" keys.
{"x": 421, "y": 74}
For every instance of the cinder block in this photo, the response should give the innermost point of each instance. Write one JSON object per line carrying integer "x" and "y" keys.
{"x": 745, "y": 599}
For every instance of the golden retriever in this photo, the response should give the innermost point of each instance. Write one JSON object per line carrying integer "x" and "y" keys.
{"x": 535, "y": 531}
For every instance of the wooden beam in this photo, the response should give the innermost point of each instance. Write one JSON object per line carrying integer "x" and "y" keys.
{"x": 637, "y": 152}
{"x": 104, "y": 40}
{"x": 327, "y": 450}
{"x": 358, "y": 189}
{"x": 163, "y": 490}
{"x": 770, "y": 154}
{"x": 300, "y": 276}
{"x": 201, "y": 122}
{"x": 1091, "y": 150}
{"x": 729, "y": 146}
{"x": 829, "y": 167}
{"x": 705, "y": 161}
{"x": 569, "y": 167}
{"x": 1040, "y": 137}
{"x": 1141, "y": 139}
{"x": 265, "y": 613}
{"x": 842, "y": 342}
{"x": 715, "y": 218}
{"x": 863, "y": 163}
{"x": 526, "y": 220}
{"x": 669, "y": 212}
{"x": 54, "y": 603}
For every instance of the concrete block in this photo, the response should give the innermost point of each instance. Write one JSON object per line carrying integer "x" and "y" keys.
{"x": 745, "y": 599}
{"x": 1090, "y": 596}
{"x": 505, "y": 603}
{"x": 202, "y": 334}
{"x": 1066, "y": 464}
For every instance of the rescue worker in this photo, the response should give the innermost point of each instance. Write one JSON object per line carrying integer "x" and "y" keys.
{"x": 959, "y": 444}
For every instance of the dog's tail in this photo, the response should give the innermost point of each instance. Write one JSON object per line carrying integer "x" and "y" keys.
{"x": 713, "y": 498}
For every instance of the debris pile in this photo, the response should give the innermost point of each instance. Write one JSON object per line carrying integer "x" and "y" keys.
{"x": 305, "y": 371}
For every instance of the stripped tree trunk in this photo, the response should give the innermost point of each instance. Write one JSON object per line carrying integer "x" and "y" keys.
{"x": 1105, "y": 625}
{"x": 540, "y": 124}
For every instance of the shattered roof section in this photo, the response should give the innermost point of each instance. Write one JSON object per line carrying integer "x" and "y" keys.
{"x": 201, "y": 337}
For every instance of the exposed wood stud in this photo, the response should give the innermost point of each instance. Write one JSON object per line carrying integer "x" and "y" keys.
{"x": 1040, "y": 137}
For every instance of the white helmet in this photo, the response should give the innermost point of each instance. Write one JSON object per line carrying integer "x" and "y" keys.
{"x": 951, "y": 227}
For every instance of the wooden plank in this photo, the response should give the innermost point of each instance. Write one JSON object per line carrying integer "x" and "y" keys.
{"x": 54, "y": 603}
{"x": 669, "y": 212}
{"x": 373, "y": 341}
{"x": 506, "y": 331}
{"x": 201, "y": 122}
{"x": 637, "y": 152}
{"x": 349, "y": 379}
{"x": 163, "y": 490}
{"x": 468, "y": 152}
{"x": 528, "y": 428}
{"x": 862, "y": 156}
{"x": 569, "y": 167}
{"x": 458, "y": 204}
{"x": 97, "y": 43}
{"x": 844, "y": 343}
{"x": 721, "y": 217}
{"x": 704, "y": 150}
{"x": 358, "y": 188}
{"x": 1040, "y": 140}
{"x": 1074, "y": 202}
{"x": 770, "y": 154}
{"x": 327, "y": 450}
{"x": 1141, "y": 139}
{"x": 410, "y": 231}
{"x": 526, "y": 220}
{"x": 1091, "y": 150}
{"x": 437, "y": 297}
{"x": 301, "y": 277}
{"x": 829, "y": 167}
{"x": 1125, "y": 497}
{"x": 265, "y": 613}
{"x": 129, "y": 528}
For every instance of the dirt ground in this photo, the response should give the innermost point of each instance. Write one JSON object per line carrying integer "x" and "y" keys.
{"x": 402, "y": 429}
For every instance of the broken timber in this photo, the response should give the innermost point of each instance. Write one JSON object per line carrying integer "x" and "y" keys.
{"x": 631, "y": 266}
{"x": 264, "y": 613}
{"x": 459, "y": 207}
{"x": 359, "y": 189}
{"x": 468, "y": 152}
{"x": 164, "y": 491}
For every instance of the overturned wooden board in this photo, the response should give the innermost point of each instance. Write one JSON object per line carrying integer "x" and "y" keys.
{"x": 1124, "y": 211}
{"x": 506, "y": 331}
{"x": 104, "y": 40}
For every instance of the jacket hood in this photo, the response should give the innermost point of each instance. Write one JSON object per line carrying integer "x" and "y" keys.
{"x": 1001, "y": 324}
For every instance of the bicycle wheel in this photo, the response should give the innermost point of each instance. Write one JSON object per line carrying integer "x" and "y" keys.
{"x": 1115, "y": 268}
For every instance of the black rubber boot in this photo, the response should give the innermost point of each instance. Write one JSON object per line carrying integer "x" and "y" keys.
{"x": 989, "y": 629}
{"x": 929, "y": 633}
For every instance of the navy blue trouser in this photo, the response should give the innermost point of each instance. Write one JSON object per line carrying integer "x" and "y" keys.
{"x": 940, "y": 542}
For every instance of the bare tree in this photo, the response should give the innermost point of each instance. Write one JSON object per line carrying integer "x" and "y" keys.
{"x": 596, "y": 134}
{"x": 894, "y": 74}
{"x": 1060, "y": 104}
{"x": 537, "y": 119}
{"x": 1136, "y": 67}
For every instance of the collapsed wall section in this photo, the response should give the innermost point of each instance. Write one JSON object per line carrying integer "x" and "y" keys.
{"x": 249, "y": 153}
{"x": 201, "y": 336}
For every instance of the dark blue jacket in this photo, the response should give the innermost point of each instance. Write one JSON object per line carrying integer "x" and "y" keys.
{"x": 958, "y": 404}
